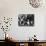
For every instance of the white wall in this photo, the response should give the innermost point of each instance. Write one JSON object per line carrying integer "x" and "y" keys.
{"x": 12, "y": 8}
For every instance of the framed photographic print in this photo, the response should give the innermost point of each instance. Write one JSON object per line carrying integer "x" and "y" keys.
{"x": 26, "y": 19}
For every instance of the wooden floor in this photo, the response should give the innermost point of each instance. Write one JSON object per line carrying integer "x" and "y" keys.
{"x": 4, "y": 43}
{"x": 19, "y": 43}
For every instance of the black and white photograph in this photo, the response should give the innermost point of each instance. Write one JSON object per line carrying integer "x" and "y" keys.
{"x": 22, "y": 22}
{"x": 26, "y": 20}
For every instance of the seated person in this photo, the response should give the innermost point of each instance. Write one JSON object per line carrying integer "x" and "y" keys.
{"x": 10, "y": 37}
